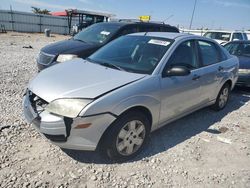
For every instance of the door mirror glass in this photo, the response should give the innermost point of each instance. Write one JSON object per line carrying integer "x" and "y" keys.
{"x": 176, "y": 71}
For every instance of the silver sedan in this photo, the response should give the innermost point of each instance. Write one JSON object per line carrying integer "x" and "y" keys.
{"x": 127, "y": 89}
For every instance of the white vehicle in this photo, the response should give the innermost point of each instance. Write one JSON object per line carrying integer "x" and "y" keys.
{"x": 222, "y": 37}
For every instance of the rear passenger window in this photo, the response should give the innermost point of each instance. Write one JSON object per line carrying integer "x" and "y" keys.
{"x": 149, "y": 28}
{"x": 237, "y": 36}
{"x": 169, "y": 29}
{"x": 245, "y": 36}
{"x": 208, "y": 52}
{"x": 232, "y": 48}
{"x": 157, "y": 28}
{"x": 128, "y": 30}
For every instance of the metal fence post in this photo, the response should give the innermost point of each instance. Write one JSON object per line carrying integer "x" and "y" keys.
{"x": 40, "y": 17}
{"x": 12, "y": 20}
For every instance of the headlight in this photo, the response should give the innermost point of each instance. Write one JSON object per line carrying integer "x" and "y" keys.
{"x": 244, "y": 71}
{"x": 65, "y": 57}
{"x": 67, "y": 107}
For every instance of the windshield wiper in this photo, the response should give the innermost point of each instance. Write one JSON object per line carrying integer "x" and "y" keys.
{"x": 79, "y": 40}
{"x": 105, "y": 64}
{"x": 112, "y": 66}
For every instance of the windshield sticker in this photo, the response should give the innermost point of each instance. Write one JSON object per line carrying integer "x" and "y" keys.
{"x": 159, "y": 42}
{"x": 105, "y": 33}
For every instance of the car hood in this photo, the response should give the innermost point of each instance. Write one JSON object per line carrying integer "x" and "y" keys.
{"x": 79, "y": 79}
{"x": 244, "y": 62}
{"x": 68, "y": 47}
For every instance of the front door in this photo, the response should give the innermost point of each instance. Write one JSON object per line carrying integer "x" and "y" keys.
{"x": 180, "y": 94}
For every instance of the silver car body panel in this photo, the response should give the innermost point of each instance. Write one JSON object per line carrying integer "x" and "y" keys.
{"x": 142, "y": 93}
{"x": 84, "y": 80}
{"x": 114, "y": 92}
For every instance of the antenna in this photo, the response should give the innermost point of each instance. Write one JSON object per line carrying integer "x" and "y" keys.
{"x": 168, "y": 18}
{"x": 191, "y": 21}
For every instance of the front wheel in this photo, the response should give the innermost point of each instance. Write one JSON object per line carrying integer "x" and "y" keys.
{"x": 222, "y": 98}
{"x": 127, "y": 136}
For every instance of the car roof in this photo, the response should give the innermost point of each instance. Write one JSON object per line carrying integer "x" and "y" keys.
{"x": 112, "y": 23}
{"x": 173, "y": 36}
{"x": 221, "y": 31}
{"x": 168, "y": 35}
{"x": 123, "y": 23}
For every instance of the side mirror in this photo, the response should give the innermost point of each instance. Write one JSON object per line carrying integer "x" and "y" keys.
{"x": 176, "y": 71}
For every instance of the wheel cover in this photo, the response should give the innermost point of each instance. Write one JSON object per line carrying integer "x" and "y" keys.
{"x": 130, "y": 137}
{"x": 223, "y": 97}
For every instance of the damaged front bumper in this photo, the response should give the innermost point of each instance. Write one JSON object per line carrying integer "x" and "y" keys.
{"x": 64, "y": 131}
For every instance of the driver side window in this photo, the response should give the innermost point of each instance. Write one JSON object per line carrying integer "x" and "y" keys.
{"x": 184, "y": 55}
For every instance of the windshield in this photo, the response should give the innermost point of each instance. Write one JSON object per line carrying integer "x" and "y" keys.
{"x": 138, "y": 54}
{"x": 97, "y": 33}
{"x": 238, "y": 49}
{"x": 218, "y": 35}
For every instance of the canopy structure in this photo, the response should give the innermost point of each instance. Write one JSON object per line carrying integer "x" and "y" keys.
{"x": 85, "y": 15}
{"x": 61, "y": 13}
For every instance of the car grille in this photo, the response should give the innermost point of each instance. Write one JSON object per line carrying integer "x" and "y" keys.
{"x": 37, "y": 103}
{"x": 44, "y": 58}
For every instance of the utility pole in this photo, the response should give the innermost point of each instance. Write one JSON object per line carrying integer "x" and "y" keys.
{"x": 191, "y": 21}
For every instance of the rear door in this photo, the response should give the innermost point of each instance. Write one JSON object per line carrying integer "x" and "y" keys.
{"x": 213, "y": 67}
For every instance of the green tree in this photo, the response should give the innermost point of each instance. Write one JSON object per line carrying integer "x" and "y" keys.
{"x": 36, "y": 10}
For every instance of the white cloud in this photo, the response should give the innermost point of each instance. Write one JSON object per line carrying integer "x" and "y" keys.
{"x": 86, "y": 1}
{"x": 97, "y": 5}
{"x": 229, "y": 3}
{"x": 233, "y": 4}
{"x": 44, "y": 4}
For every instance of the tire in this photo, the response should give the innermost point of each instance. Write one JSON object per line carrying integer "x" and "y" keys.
{"x": 126, "y": 137}
{"x": 222, "y": 98}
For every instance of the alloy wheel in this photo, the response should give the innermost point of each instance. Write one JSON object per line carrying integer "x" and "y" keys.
{"x": 130, "y": 137}
{"x": 223, "y": 97}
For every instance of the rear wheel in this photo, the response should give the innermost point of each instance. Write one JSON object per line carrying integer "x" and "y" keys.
{"x": 127, "y": 136}
{"x": 222, "y": 98}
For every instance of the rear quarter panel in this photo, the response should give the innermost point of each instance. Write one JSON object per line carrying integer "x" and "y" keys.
{"x": 230, "y": 72}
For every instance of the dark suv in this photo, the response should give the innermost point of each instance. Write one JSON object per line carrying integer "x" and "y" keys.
{"x": 92, "y": 38}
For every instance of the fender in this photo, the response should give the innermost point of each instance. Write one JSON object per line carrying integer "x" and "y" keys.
{"x": 148, "y": 102}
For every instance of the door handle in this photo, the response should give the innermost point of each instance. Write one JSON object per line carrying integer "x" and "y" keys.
{"x": 220, "y": 68}
{"x": 196, "y": 77}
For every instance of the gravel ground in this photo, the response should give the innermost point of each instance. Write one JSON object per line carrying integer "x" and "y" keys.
{"x": 204, "y": 149}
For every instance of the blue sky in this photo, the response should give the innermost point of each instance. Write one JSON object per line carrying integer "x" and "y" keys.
{"x": 213, "y": 14}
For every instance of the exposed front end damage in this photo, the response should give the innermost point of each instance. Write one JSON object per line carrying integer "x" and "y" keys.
{"x": 81, "y": 133}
